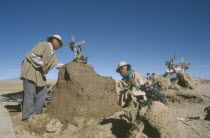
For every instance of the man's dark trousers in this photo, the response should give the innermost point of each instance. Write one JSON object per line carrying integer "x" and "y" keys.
{"x": 33, "y": 100}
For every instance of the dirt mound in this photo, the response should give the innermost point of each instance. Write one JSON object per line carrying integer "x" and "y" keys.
{"x": 81, "y": 92}
{"x": 162, "y": 82}
{"x": 161, "y": 121}
{"x": 166, "y": 83}
{"x": 200, "y": 94}
{"x": 185, "y": 80}
{"x": 183, "y": 89}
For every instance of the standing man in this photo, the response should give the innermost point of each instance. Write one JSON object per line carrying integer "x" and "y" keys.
{"x": 39, "y": 61}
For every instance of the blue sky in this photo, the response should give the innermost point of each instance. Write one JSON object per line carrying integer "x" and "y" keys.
{"x": 144, "y": 33}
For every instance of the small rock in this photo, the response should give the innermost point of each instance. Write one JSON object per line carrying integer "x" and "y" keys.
{"x": 54, "y": 126}
{"x": 79, "y": 121}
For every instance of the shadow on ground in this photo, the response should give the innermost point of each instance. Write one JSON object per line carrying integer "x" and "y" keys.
{"x": 14, "y": 101}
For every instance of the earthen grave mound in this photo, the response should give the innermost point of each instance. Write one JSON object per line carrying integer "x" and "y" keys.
{"x": 81, "y": 92}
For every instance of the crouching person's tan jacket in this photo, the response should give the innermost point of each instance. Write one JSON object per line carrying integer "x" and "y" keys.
{"x": 125, "y": 86}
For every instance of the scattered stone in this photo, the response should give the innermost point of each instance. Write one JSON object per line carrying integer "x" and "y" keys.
{"x": 37, "y": 123}
{"x": 54, "y": 126}
{"x": 162, "y": 123}
{"x": 78, "y": 121}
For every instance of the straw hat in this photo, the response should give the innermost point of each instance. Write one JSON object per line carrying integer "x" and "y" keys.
{"x": 55, "y": 37}
{"x": 121, "y": 64}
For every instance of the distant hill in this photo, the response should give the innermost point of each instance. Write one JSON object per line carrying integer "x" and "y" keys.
{"x": 11, "y": 79}
{"x": 17, "y": 78}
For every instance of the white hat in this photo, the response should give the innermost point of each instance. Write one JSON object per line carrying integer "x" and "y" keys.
{"x": 121, "y": 64}
{"x": 55, "y": 37}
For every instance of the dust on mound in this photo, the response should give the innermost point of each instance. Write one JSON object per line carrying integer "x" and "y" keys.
{"x": 81, "y": 92}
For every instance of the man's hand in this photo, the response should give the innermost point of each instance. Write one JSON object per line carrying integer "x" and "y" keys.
{"x": 59, "y": 65}
{"x": 44, "y": 69}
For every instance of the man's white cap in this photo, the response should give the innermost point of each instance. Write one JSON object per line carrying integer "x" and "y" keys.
{"x": 121, "y": 64}
{"x": 55, "y": 37}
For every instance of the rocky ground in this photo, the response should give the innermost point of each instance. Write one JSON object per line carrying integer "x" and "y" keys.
{"x": 84, "y": 105}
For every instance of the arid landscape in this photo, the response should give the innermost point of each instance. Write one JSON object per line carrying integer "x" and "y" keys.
{"x": 113, "y": 69}
{"x": 84, "y": 104}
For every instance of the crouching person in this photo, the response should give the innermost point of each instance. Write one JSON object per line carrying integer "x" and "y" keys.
{"x": 128, "y": 89}
{"x": 130, "y": 83}
{"x": 39, "y": 61}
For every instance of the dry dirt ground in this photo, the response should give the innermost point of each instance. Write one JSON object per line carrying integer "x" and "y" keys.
{"x": 80, "y": 114}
